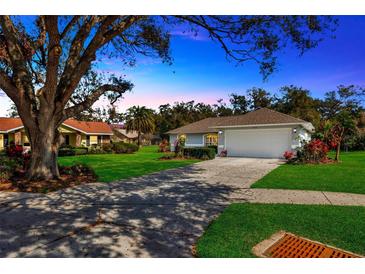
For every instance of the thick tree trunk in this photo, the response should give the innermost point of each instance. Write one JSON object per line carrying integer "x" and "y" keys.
{"x": 44, "y": 145}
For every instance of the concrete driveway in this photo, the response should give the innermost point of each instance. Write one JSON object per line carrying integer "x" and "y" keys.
{"x": 158, "y": 215}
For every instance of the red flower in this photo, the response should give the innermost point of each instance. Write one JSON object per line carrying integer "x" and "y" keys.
{"x": 288, "y": 155}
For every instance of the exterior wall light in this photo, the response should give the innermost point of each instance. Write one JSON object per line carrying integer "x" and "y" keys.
{"x": 220, "y": 132}
{"x": 294, "y": 130}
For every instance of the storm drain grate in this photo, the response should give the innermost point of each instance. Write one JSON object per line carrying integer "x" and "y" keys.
{"x": 292, "y": 246}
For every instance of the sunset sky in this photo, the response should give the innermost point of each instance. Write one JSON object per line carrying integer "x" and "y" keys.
{"x": 201, "y": 72}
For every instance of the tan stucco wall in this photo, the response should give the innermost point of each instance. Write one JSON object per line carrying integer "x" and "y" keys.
{"x": 72, "y": 138}
{"x": 1, "y": 141}
{"x": 83, "y": 140}
{"x": 24, "y": 138}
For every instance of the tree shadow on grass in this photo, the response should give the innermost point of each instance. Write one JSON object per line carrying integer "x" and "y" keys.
{"x": 156, "y": 215}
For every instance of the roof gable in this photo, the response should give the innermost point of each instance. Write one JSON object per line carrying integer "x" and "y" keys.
{"x": 132, "y": 134}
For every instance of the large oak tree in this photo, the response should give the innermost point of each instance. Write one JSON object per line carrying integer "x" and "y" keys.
{"x": 49, "y": 64}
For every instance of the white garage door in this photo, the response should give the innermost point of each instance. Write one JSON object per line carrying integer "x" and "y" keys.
{"x": 270, "y": 143}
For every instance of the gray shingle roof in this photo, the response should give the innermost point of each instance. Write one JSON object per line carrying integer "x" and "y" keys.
{"x": 262, "y": 116}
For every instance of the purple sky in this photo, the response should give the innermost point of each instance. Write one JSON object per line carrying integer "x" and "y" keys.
{"x": 201, "y": 72}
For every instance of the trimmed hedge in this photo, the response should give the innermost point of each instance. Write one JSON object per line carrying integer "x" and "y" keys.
{"x": 67, "y": 151}
{"x": 107, "y": 148}
{"x": 215, "y": 148}
{"x": 204, "y": 153}
{"x": 81, "y": 151}
{"x": 121, "y": 147}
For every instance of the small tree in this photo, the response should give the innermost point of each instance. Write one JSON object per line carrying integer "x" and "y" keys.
{"x": 141, "y": 120}
{"x": 334, "y": 138}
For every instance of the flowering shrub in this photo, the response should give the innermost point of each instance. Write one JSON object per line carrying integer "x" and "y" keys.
{"x": 14, "y": 151}
{"x": 19, "y": 155}
{"x": 288, "y": 155}
{"x": 163, "y": 146}
{"x": 223, "y": 153}
{"x": 314, "y": 151}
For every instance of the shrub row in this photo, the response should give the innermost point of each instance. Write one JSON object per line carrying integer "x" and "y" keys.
{"x": 119, "y": 147}
{"x": 66, "y": 151}
{"x": 122, "y": 147}
{"x": 204, "y": 153}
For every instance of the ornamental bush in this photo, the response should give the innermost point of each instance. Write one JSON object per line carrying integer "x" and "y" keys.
{"x": 204, "y": 153}
{"x": 215, "y": 148}
{"x": 14, "y": 151}
{"x": 108, "y": 148}
{"x": 65, "y": 151}
{"x": 314, "y": 151}
{"x": 121, "y": 147}
{"x": 164, "y": 146}
{"x": 288, "y": 155}
{"x": 7, "y": 168}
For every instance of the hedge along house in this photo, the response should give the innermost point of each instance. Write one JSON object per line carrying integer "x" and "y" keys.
{"x": 76, "y": 133}
{"x": 261, "y": 133}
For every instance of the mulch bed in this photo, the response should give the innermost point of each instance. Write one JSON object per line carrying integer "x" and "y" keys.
{"x": 173, "y": 157}
{"x": 19, "y": 183}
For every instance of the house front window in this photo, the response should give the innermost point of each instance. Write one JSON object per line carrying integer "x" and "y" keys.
{"x": 100, "y": 140}
{"x": 211, "y": 139}
{"x": 87, "y": 140}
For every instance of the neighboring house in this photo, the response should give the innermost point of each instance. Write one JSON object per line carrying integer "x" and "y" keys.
{"x": 120, "y": 134}
{"x": 261, "y": 133}
{"x": 76, "y": 133}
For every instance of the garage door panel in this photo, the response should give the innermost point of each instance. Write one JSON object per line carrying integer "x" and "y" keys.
{"x": 266, "y": 143}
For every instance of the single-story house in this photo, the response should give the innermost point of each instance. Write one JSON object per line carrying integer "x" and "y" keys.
{"x": 261, "y": 133}
{"x": 76, "y": 133}
{"x": 120, "y": 134}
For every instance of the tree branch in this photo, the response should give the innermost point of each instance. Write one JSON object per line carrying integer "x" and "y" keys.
{"x": 7, "y": 85}
{"x": 90, "y": 100}
{"x": 70, "y": 24}
{"x": 102, "y": 36}
{"x": 22, "y": 77}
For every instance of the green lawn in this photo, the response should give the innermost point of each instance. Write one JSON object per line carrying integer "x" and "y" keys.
{"x": 346, "y": 176}
{"x": 111, "y": 167}
{"x": 242, "y": 226}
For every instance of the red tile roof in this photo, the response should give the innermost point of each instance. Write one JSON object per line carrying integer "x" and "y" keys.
{"x": 89, "y": 127}
{"x": 8, "y": 124}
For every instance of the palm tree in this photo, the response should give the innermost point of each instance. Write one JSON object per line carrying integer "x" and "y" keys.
{"x": 140, "y": 119}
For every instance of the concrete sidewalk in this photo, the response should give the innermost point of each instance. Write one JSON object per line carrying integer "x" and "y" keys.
{"x": 283, "y": 196}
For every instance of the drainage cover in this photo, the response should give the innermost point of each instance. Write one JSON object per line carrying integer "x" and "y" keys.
{"x": 287, "y": 245}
